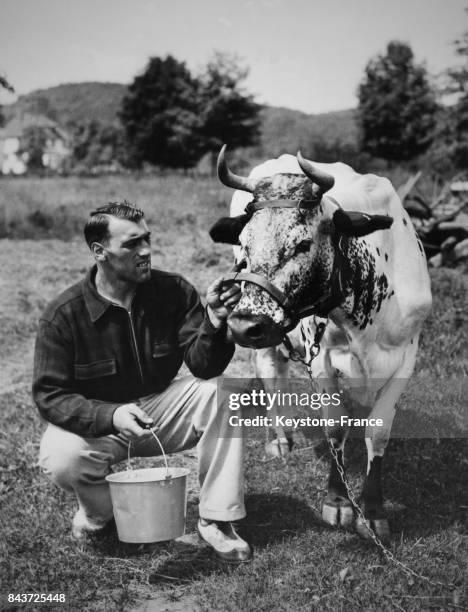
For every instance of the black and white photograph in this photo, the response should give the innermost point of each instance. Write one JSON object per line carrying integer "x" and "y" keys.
{"x": 233, "y": 290}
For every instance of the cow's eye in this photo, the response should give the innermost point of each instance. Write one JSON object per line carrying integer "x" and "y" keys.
{"x": 302, "y": 247}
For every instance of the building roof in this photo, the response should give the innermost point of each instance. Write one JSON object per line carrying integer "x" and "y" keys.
{"x": 16, "y": 127}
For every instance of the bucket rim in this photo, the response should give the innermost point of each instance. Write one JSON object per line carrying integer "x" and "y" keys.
{"x": 122, "y": 477}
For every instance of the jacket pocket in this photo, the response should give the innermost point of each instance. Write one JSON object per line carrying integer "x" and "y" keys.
{"x": 166, "y": 361}
{"x": 96, "y": 369}
{"x": 162, "y": 349}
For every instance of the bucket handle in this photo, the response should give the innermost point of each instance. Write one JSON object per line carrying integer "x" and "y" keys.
{"x": 129, "y": 465}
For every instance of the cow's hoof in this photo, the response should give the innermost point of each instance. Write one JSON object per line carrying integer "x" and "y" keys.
{"x": 338, "y": 513}
{"x": 380, "y": 527}
{"x": 279, "y": 447}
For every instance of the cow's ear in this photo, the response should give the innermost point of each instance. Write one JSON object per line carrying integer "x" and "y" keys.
{"x": 359, "y": 224}
{"x": 228, "y": 229}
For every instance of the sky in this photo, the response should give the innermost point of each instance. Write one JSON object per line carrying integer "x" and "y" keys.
{"x": 308, "y": 55}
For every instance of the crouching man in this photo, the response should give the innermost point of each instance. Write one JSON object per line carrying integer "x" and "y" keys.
{"x": 107, "y": 351}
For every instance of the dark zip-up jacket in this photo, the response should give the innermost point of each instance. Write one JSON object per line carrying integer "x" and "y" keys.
{"x": 92, "y": 356}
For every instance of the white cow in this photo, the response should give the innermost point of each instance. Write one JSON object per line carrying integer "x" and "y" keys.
{"x": 316, "y": 239}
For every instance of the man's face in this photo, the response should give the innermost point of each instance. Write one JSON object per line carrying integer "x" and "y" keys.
{"x": 127, "y": 251}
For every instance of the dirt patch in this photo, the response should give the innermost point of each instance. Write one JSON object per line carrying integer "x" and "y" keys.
{"x": 166, "y": 603}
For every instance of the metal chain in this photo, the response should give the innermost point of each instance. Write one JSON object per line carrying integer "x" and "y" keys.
{"x": 294, "y": 354}
{"x": 387, "y": 553}
{"x": 375, "y": 538}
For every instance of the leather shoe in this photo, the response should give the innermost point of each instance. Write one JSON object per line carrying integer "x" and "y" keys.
{"x": 225, "y": 541}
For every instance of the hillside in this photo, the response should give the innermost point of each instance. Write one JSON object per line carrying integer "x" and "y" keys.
{"x": 284, "y": 130}
{"x": 74, "y": 102}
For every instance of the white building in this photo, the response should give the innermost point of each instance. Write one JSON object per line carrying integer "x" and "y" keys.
{"x": 13, "y": 156}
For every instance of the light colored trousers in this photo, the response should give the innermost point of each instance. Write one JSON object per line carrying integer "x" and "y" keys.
{"x": 186, "y": 415}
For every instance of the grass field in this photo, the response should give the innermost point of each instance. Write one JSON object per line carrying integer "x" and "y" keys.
{"x": 299, "y": 564}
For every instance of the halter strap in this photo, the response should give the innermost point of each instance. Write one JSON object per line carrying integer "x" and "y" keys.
{"x": 253, "y": 206}
{"x": 320, "y": 307}
{"x": 262, "y": 282}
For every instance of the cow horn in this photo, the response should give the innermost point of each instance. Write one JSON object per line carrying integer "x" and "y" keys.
{"x": 322, "y": 179}
{"x": 230, "y": 179}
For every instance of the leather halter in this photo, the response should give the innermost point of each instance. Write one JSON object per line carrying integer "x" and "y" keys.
{"x": 320, "y": 307}
{"x": 253, "y": 206}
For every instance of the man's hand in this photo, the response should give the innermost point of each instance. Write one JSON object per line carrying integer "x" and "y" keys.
{"x": 221, "y": 298}
{"x": 124, "y": 420}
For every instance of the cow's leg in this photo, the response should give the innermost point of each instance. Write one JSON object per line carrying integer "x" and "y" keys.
{"x": 336, "y": 508}
{"x": 271, "y": 365}
{"x": 372, "y": 497}
{"x": 377, "y": 437}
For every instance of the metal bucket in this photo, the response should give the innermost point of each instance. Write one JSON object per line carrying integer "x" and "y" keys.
{"x": 149, "y": 504}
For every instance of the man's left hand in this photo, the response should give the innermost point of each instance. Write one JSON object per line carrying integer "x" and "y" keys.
{"x": 221, "y": 297}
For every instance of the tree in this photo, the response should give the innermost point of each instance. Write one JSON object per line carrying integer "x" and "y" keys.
{"x": 160, "y": 114}
{"x": 397, "y": 106}
{"x": 34, "y": 144}
{"x": 228, "y": 114}
{"x": 4, "y": 84}
{"x": 97, "y": 145}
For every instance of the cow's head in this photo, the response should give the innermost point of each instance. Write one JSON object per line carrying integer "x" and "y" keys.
{"x": 288, "y": 235}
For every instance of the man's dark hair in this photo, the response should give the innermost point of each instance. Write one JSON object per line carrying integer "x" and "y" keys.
{"x": 97, "y": 227}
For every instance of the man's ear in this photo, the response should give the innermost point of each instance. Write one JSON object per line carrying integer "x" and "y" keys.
{"x": 98, "y": 251}
{"x": 228, "y": 229}
{"x": 359, "y": 224}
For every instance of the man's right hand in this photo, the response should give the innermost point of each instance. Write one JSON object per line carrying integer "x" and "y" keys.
{"x": 124, "y": 420}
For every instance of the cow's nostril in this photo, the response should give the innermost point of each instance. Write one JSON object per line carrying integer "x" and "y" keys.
{"x": 254, "y": 332}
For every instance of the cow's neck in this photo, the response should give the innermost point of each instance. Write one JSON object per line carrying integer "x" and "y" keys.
{"x": 364, "y": 286}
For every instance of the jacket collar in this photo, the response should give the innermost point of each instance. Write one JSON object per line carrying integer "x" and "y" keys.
{"x": 97, "y": 305}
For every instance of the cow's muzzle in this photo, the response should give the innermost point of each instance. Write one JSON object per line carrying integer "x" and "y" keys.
{"x": 254, "y": 331}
